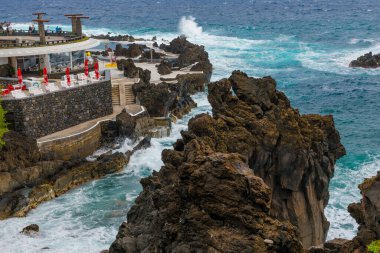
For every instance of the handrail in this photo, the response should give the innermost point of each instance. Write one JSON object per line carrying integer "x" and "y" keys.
{"x": 13, "y": 43}
{"x": 35, "y": 33}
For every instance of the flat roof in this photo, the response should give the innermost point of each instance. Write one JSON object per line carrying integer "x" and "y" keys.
{"x": 41, "y": 50}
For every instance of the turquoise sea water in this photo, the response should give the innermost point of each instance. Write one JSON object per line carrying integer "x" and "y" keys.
{"x": 305, "y": 45}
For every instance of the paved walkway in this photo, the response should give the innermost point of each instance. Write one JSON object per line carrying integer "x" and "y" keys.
{"x": 78, "y": 129}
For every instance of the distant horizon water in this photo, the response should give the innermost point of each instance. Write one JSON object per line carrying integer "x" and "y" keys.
{"x": 305, "y": 45}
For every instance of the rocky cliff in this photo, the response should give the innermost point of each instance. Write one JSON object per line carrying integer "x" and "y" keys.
{"x": 256, "y": 172}
{"x": 367, "y": 61}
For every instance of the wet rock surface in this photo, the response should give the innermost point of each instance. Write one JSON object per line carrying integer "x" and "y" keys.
{"x": 31, "y": 229}
{"x": 256, "y": 172}
{"x": 368, "y": 60}
{"x": 26, "y": 179}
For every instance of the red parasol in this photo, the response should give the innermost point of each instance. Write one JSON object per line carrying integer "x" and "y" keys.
{"x": 96, "y": 66}
{"x": 68, "y": 76}
{"x": 46, "y": 79}
{"x": 86, "y": 67}
{"x": 19, "y": 76}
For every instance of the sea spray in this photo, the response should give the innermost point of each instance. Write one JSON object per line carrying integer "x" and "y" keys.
{"x": 187, "y": 26}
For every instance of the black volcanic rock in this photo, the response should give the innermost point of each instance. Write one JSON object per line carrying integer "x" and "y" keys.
{"x": 367, "y": 61}
{"x": 164, "y": 68}
{"x": 251, "y": 178}
{"x": 189, "y": 54}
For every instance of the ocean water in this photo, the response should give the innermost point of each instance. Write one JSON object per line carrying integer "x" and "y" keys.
{"x": 306, "y": 45}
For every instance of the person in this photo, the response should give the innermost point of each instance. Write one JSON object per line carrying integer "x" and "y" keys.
{"x": 57, "y": 30}
{"x": 30, "y": 30}
{"x": 33, "y": 29}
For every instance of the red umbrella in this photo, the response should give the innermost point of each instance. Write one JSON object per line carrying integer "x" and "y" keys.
{"x": 46, "y": 79}
{"x": 68, "y": 75}
{"x": 19, "y": 76}
{"x": 96, "y": 66}
{"x": 86, "y": 67}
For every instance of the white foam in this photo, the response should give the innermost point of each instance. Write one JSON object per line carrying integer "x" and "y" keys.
{"x": 189, "y": 27}
{"x": 344, "y": 191}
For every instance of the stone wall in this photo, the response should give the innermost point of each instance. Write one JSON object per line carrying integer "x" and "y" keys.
{"x": 42, "y": 115}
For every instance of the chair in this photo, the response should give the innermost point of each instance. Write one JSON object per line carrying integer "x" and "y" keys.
{"x": 51, "y": 87}
{"x": 4, "y": 92}
{"x": 18, "y": 94}
{"x": 82, "y": 82}
{"x": 35, "y": 91}
{"x": 64, "y": 84}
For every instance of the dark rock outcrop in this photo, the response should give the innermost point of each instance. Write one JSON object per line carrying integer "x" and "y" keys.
{"x": 133, "y": 50}
{"x": 121, "y": 37}
{"x": 164, "y": 98}
{"x": 148, "y": 54}
{"x": 368, "y": 60}
{"x": 164, "y": 68}
{"x": 257, "y": 172}
{"x": 189, "y": 54}
{"x": 131, "y": 71}
{"x": 31, "y": 229}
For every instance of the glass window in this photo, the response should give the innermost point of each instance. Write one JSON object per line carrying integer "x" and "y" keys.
{"x": 78, "y": 59}
{"x": 59, "y": 62}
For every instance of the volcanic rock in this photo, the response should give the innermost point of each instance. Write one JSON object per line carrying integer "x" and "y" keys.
{"x": 131, "y": 71}
{"x": 33, "y": 228}
{"x": 367, "y": 61}
{"x": 164, "y": 68}
{"x": 189, "y": 54}
{"x": 254, "y": 172}
{"x": 132, "y": 51}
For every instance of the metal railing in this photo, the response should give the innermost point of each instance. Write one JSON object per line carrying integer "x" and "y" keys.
{"x": 35, "y": 33}
{"x": 68, "y": 38}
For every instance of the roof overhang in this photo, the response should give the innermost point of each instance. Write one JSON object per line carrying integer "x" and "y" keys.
{"x": 29, "y": 51}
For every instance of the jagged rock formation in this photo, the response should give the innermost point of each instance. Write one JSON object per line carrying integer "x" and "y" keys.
{"x": 367, "y": 61}
{"x": 132, "y": 51}
{"x": 131, "y": 71}
{"x": 164, "y": 98}
{"x": 121, "y": 37}
{"x": 27, "y": 179}
{"x": 214, "y": 184}
{"x": 164, "y": 68}
{"x": 148, "y": 54}
{"x": 189, "y": 53}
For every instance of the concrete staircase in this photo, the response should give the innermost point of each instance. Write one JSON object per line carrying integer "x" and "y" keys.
{"x": 122, "y": 93}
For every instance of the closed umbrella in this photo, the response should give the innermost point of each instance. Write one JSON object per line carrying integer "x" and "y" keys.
{"x": 96, "y": 66}
{"x": 68, "y": 76}
{"x": 19, "y": 76}
{"x": 86, "y": 67}
{"x": 46, "y": 79}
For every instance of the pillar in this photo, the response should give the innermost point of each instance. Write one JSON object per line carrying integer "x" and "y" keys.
{"x": 78, "y": 27}
{"x": 13, "y": 64}
{"x": 74, "y": 25}
{"x": 41, "y": 29}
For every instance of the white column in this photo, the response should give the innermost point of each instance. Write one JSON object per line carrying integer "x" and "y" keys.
{"x": 71, "y": 60}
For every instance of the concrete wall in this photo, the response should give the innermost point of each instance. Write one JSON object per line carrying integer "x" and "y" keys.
{"x": 78, "y": 145}
{"x": 38, "y": 116}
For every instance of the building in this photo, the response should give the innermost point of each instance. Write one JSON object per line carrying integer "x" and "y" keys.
{"x": 32, "y": 50}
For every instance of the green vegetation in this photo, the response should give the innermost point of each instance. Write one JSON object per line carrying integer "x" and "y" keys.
{"x": 3, "y": 125}
{"x": 374, "y": 247}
